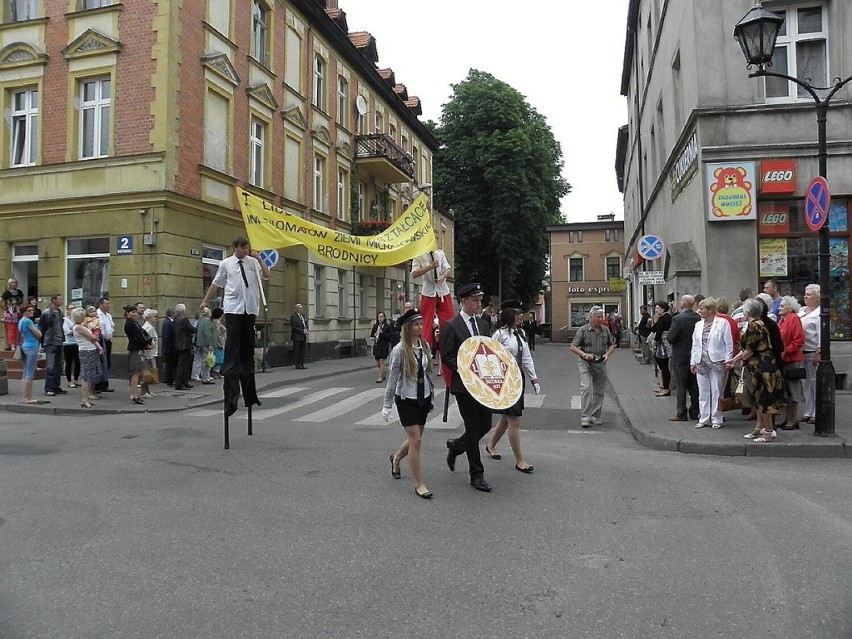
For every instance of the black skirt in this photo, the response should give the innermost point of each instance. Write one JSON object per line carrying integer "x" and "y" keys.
{"x": 517, "y": 409}
{"x": 412, "y": 414}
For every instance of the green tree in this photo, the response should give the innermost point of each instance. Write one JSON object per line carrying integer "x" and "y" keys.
{"x": 499, "y": 169}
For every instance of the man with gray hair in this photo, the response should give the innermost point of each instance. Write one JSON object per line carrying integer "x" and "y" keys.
{"x": 593, "y": 344}
{"x": 680, "y": 337}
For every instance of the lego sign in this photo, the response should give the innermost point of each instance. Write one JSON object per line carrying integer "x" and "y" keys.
{"x": 778, "y": 176}
{"x": 773, "y": 219}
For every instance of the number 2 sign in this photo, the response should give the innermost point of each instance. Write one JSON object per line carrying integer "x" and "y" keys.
{"x": 124, "y": 245}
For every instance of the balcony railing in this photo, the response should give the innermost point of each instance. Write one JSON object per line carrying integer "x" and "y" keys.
{"x": 388, "y": 161}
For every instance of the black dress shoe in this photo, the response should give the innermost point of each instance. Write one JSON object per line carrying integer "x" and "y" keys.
{"x": 451, "y": 455}
{"x": 426, "y": 495}
{"x": 480, "y": 484}
{"x": 528, "y": 469}
{"x": 492, "y": 455}
{"x": 397, "y": 474}
{"x": 60, "y": 391}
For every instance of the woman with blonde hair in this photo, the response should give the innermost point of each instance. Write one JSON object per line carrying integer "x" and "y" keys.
{"x": 89, "y": 350}
{"x": 712, "y": 346}
{"x": 410, "y": 386}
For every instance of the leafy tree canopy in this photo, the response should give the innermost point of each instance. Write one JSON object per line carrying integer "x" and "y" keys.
{"x": 499, "y": 169}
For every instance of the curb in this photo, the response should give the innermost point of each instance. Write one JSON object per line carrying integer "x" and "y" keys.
{"x": 833, "y": 447}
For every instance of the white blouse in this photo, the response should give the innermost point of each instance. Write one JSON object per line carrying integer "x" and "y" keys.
{"x": 507, "y": 338}
{"x": 811, "y": 328}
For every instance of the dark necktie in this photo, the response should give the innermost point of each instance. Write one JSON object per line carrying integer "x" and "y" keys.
{"x": 243, "y": 272}
{"x": 473, "y": 328}
{"x": 421, "y": 379}
{"x": 520, "y": 346}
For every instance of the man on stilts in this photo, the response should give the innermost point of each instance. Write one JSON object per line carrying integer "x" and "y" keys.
{"x": 239, "y": 275}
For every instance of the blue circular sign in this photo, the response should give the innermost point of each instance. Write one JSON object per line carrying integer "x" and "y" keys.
{"x": 651, "y": 247}
{"x": 268, "y": 257}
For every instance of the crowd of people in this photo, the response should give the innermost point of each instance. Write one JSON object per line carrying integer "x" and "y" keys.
{"x": 762, "y": 356}
{"x": 76, "y": 342}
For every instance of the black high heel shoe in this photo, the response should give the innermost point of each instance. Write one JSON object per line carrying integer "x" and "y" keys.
{"x": 397, "y": 474}
{"x": 492, "y": 455}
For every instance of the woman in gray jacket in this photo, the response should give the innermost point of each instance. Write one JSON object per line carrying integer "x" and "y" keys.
{"x": 410, "y": 386}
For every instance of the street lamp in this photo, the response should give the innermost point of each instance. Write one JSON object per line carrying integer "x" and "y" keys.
{"x": 756, "y": 34}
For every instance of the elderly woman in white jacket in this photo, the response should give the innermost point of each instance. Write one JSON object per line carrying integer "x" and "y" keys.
{"x": 712, "y": 346}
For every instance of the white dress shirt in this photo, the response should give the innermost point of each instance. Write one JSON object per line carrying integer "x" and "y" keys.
{"x": 107, "y": 325}
{"x": 466, "y": 319}
{"x": 238, "y": 298}
{"x": 427, "y": 281}
{"x": 507, "y": 338}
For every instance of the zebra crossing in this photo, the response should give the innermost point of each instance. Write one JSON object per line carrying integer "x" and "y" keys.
{"x": 327, "y": 405}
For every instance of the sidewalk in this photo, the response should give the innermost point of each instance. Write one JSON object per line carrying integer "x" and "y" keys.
{"x": 167, "y": 399}
{"x": 632, "y": 385}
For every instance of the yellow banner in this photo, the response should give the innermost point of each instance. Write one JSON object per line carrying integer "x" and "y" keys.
{"x": 271, "y": 227}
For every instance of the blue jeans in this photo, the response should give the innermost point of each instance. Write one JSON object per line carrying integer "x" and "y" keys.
{"x": 30, "y": 357}
{"x": 53, "y": 371}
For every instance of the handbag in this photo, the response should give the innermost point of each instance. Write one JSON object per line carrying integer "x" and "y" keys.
{"x": 794, "y": 373}
{"x": 17, "y": 355}
{"x": 730, "y": 403}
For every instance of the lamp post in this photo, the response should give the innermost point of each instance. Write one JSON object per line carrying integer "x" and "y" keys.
{"x": 756, "y": 34}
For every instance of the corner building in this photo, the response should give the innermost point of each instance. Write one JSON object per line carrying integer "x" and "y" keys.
{"x": 129, "y": 125}
{"x": 716, "y": 164}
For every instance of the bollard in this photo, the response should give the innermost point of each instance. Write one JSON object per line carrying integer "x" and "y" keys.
{"x": 4, "y": 378}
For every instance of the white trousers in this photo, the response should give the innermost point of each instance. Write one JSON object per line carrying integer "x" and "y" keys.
{"x": 710, "y": 388}
{"x": 809, "y": 385}
{"x": 593, "y": 379}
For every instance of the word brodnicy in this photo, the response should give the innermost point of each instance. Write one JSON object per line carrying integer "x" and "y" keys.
{"x": 271, "y": 227}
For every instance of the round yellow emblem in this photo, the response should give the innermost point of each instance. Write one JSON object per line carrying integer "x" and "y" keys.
{"x": 489, "y": 372}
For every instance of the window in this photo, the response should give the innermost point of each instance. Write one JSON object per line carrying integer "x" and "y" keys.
{"x": 575, "y": 269}
{"x": 571, "y": 237}
{"x": 362, "y": 202}
{"x": 94, "y": 4}
{"x": 319, "y": 183}
{"x": 257, "y": 140}
{"x": 293, "y": 59}
{"x": 342, "y": 180}
{"x": 210, "y": 258}
{"x": 88, "y": 270}
{"x": 613, "y": 267}
{"x": 319, "y": 299}
{"x": 800, "y": 51}
{"x": 24, "y": 127}
{"x": 319, "y": 82}
{"x": 380, "y": 122}
{"x": 362, "y": 119}
{"x": 341, "y": 293}
{"x": 217, "y": 142}
{"x": 580, "y": 313}
{"x": 94, "y": 118}
{"x": 259, "y": 31}
{"x": 25, "y": 267}
{"x": 342, "y": 101}
{"x": 21, "y": 10}
{"x": 677, "y": 94}
{"x": 362, "y": 297}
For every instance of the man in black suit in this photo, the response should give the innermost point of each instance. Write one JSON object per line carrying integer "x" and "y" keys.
{"x": 477, "y": 418}
{"x": 299, "y": 335}
{"x": 184, "y": 332}
{"x": 680, "y": 337}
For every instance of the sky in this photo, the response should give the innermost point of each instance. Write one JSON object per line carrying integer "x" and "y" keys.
{"x": 548, "y": 51}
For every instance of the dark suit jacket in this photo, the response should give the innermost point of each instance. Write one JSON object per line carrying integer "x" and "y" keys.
{"x": 455, "y": 332}
{"x": 167, "y": 339}
{"x": 297, "y": 330}
{"x": 183, "y": 334}
{"x": 680, "y": 336}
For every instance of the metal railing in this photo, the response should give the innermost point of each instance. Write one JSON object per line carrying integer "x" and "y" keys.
{"x": 381, "y": 145}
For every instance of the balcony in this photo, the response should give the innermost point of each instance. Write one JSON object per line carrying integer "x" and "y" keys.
{"x": 382, "y": 158}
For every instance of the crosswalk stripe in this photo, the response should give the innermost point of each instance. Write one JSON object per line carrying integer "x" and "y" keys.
{"x": 343, "y": 406}
{"x": 533, "y": 401}
{"x": 307, "y": 399}
{"x": 575, "y": 402}
{"x": 283, "y": 392}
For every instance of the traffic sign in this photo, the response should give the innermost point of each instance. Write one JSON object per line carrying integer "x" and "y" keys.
{"x": 651, "y": 247}
{"x": 268, "y": 257}
{"x": 817, "y": 200}
{"x": 651, "y": 277}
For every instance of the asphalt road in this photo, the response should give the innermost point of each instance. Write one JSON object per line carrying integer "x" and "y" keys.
{"x": 143, "y": 526}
